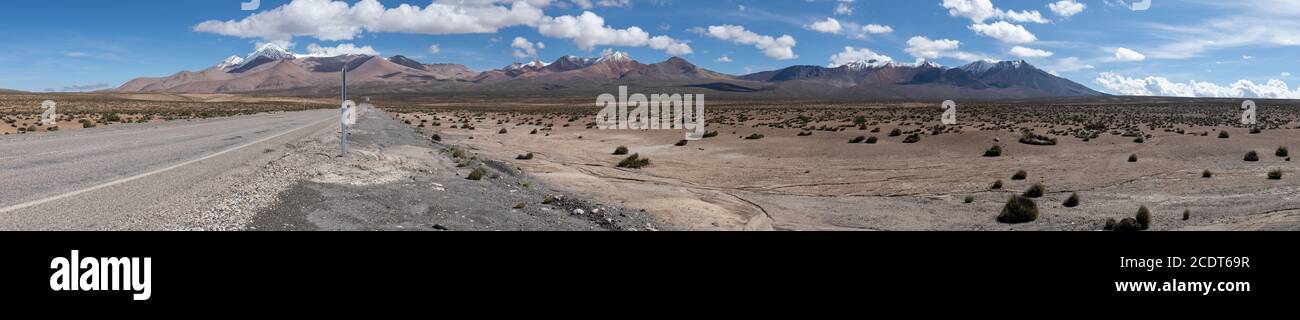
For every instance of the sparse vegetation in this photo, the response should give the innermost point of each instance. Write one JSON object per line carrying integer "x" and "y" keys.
{"x": 1035, "y": 191}
{"x": 710, "y": 134}
{"x": 1019, "y": 210}
{"x": 1282, "y": 152}
{"x": 520, "y": 205}
{"x": 997, "y": 185}
{"x": 1143, "y": 218}
{"x": 1031, "y": 138}
{"x": 1133, "y": 158}
{"x": 681, "y": 143}
{"x": 621, "y": 150}
{"x": 896, "y": 132}
{"x": 1020, "y": 175}
{"x": 858, "y": 139}
{"x": 913, "y": 138}
{"x": 528, "y": 156}
{"x": 995, "y": 151}
{"x": 1187, "y": 214}
{"x": 872, "y": 140}
{"x": 1110, "y": 224}
{"x": 1072, "y": 201}
{"x": 477, "y": 174}
{"x": 1276, "y": 174}
{"x": 969, "y": 199}
{"x": 1127, "y": 225}
{"x": 755, "y": 136}
{"x": 635, "y": 161}
{"x": 550, "y": 199}
{"x": 1252, "y": 156}
{"x": 1223, "y": 134}
{"x": 1207, "y": 174}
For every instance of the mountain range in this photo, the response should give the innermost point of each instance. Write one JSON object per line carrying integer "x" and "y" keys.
{"x": 274, "y": 70}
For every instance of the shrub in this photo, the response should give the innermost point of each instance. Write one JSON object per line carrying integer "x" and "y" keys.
{"x": 896, "y": 132}
{"x": 1110, "y": 224}
{"x": 477, "y": 174}
{"x": 994, "y": 151}
{"x": 1187, "y": 214}
{"x": 1018, "y": 210}
{"x": 680, "y": 143}
{"x": 87, "y": 124}
{"x": 528, "y": 156}
{"x": 969, "y": 199}
{"x": 1223, "y": 134}
{"x": 1143, "y": 218}
{"x": 1128, "y": 224}
{"x": 1072, "y": 201}
{"x": 533, "y": 132}
{"x": 1133, "y": 158}
{"x": 710, "y": 134}
{"x": 1282, "y": 152}
{"x": 503, "y": 131}
{"x": 914, "y": 138}
{"x": 32, "y": 129}
{"x": 1031, "y": 138}
{"x": 1035, "y": 191}
{"x": 1275, "y": 175}
{"x": 112, "y": 117}
{"x": 872, "y": 140}
{"x": 1139, "y": 140}
{"x": 621, "y": 150}
{"x": 1207, "y": 174}
{"x": 1252, "y": 156}
{"x": 436, "y": 138}
{"x": 634, "y": 162}
{"x": 520, "y": 205}
{"x": 1020, "y": 175}
{"x": 858, "y": 139}
{"x": 754, "y": 137}
{"x": 805, "y": 133}
{"x": 997, "y": 185}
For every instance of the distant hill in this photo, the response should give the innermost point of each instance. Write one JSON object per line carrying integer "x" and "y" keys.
{"x": 272, "y": 69}
{"x": 11, "y": 91}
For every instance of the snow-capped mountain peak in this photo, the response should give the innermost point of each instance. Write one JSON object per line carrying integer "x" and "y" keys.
{"x": 271, "y": 51}
{"x": 866, "y": 64}
{"x": 984, "y": 66}
{"x": 230, "y": 63}
{"x": 615, "y": 56}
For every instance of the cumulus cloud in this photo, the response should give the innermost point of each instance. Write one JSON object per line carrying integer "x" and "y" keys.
{"x": 851, "y": 54}
{"x": 829, "y": 26}
{"x": 1160, "y": 86}
{"x": 1128, "y": 55}
{"x": 923, "y": 48}
{"x": 588, "y": 4}
{"x": 1004, "y": 32}
{"x": 331, "y": 20}
{"x": 1066, "y": 8}
{"x": 1024, "y": 52}
{"x": 979, "y": 11}
{"x": 315, "y": 50}
{"x": 1068, "y": 64}
{"x": 875, "y": 28}
{"x": 523, "y": 48}
{"x": 588, "y": 31}
{"x": 844, "y": 8}
{"x": 779, "y": 48}
{"x": 724, "y": 59}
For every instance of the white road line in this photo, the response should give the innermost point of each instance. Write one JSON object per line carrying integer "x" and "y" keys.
{"x": 150, "y": 173}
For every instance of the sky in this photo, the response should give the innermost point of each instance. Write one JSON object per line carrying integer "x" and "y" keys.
{"x": 1204, "y": 48}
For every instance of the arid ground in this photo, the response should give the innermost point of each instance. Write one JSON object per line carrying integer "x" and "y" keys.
{"x": 811, "y": 171}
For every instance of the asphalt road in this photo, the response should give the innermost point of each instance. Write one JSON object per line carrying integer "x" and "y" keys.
{"x": 136, "y": 176}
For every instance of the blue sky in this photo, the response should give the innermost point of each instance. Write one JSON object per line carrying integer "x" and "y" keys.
{"x": 1183, "y": 48}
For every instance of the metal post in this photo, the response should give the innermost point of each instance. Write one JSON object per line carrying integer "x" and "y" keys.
{"x": 343, "y": 119}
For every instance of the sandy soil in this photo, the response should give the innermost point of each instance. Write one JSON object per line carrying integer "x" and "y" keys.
{"x": 822, "y": 182}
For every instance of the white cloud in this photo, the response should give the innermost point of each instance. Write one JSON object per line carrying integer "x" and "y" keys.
{"x": 588, "y": 4}
{"x": 1128, "y": 55}
{"x": 435, "y": 49}
{"x": 876, "y": 29}
{"x": 844, "y": 8}
{"x": 588, "y": 30}
{"x": 1247, "y": 57}
{"x": 75, "y": 54}
{"x": 1286, "y": 74}
{"x": 1066, "y": 8}
{"x": 331, "y": 20}
{"x": 523, "y": 48}
{"x": 1160, "y": 86}
{"x": 779, "y": 48}
{"x": 979, "y": 11}
{"x": 923, "y": 48}
{"x": 1005, "y": 32}
{"x": 314, "y": 50}
{"x": 1024, "y": 52}
{"x": 851, "y": 55}
{"x": 829, "y": 26}
{"x": 723, "y": 59}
